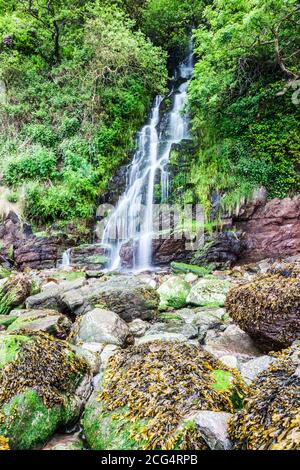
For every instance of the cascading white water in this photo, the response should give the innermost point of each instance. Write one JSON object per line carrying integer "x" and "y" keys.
{"x": 66, "y": 259}
{"x": 133, "y": 217}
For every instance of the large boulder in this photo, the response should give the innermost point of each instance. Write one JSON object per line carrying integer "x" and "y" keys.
{"x": 50, "y": 297}
{"x": 209, "y": 291}
{"x": 173, "y": 292}
{"x": 135, "y": 408}
{"x": 268, "y": 309}
{"x": 43, "y": 386}
{"x": 13, "y": 292}
{"x": 233, "y": 341}
{"x": 270, "y": 418}
{"x": 102, "y": 326}
{"x": 127, "y": 296}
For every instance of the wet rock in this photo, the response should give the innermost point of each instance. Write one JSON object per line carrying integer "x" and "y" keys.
{"x": 102, "y": 326}
{"x": 91, "y": 352}
{"x": 49, "y": 321}
{"x": 161, "y": 329}
{"x": 212, "y": 426}
{"x": 268, "y": 309}
{"x": 209, "y": 291}
{"x": 39, "y": 252}
{"x": 43, "y": 386}
{"x": 250, "y": 369}
{"x": 174, "y": 292}
{"x": 221, "y": 250}
{"x": 233, "y": 341}
{"x": 65, "y": 442}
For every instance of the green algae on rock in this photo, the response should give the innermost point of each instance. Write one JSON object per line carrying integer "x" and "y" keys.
{"x": 209, "y": 292}
{"x": 268, "y": 309}
{"x": 147, "y": 391}
{"x": 270, "y": 419}
{"x": 14, "y": 292}
{"x": 173, "y": 292}
{"x": 43, "y": 386}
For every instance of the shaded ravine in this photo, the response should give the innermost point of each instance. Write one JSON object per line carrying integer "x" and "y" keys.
{"x": 132, "y": 219}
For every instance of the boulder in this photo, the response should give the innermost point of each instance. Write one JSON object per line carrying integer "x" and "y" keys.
{"x": 268, "y": 309}
{"x": 134, "y": 407}
{"x": 91, "y": 352}
{"x": 125, "y": 295}
{"x": 43, "y": 386}
{"x": 188, "y": 331}
{"x": 49, "y": 321}
{"x": 13, "y": 292}
{"x": 212, "y": 426}
{"x": 92, "y": 257}
{"x": 40, "y": 252}
{"x": 102, "y": 326}
{"x": 209, "y": 292}
{"x": 233, "y": 341}
{"x": 65, "y": 442}
{"x": 270, "y": 417}
{"x": 173, "y": 292}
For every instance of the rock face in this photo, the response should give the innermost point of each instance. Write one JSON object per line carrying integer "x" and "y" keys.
{"x": 92, "y": 257}
{"x": 39, "y": 252}
{"x": 270, "y": 417}
{"x": 268, "y": 309}
{"x": 148, "y": 377}
{"x": 221, "y": 250}
{"x": 270, "y": 229}
{"x": 34, "y": 404}
{"x": 103, "y": 326}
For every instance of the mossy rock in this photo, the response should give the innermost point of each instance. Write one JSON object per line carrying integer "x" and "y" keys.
{"x": 173, "y": 292}
{"x": 39, "y": 379}
{"x": 7, "y": 320}
{"x": 4, "y": 273}
{"x": 270, "y": 418}
{"x": 200, "y": 271}
{"x": 14, "y": 292}
{"x": 268, "y": 309}
{"x": 209, "y": 291}
{"x": 147, "y": 391}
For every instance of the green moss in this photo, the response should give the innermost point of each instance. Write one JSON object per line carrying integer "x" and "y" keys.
{"x": 6, "y": 321}
{"x": 166, "y": 317}
{"x": 189, "y": 268}
{"x": 110, "y": 430}
{"x": 27, "y": 421}
{"x": 9, "y": 348}
{"x": 223, "y": 380}
{"x": 4, "y": 272}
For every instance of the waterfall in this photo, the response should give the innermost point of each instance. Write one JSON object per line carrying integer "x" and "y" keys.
{"x": 66, "y": 259}
{"x": 132, "y": 220}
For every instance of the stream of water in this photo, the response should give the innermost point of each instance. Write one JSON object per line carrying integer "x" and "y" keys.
{"x": 132, "y": 219}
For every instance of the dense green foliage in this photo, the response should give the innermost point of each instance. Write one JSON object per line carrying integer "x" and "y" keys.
{"x": 79, "y": 81}
{"x": 241, "y": 99}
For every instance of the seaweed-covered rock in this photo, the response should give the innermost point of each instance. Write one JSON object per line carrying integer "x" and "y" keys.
{"x": 14, "y": 291}
{"x": 49, "y": 321}
{"x": 43, "y": 386}
{"x": 173, "y": 292}
{"x": 270, "y": 418}
{"x": 212, "y": 426}
{"x": 148, "y": 390}
{"x": 209, "y": 292}
{"x": 268, "y": 309}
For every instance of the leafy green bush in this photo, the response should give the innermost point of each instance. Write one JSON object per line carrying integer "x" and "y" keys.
{"x": 36, "y": 163}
